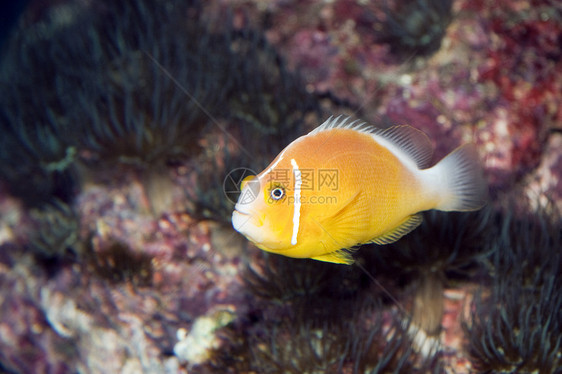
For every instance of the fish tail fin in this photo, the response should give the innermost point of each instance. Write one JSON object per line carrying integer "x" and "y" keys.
{"x": 460, "y": 181}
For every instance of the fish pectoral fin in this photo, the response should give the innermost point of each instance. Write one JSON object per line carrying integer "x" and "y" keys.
{"x": 341, "y": 227}
{"x": 337, "y": 257}
{"x": 409, "y": 223}
{"x": 343, "y": 212}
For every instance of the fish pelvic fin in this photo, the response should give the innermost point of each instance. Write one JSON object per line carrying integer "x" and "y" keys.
{"x": 337, "y": 257}
{"x": 407, "y": 225}
{"x": 459, "y": 181}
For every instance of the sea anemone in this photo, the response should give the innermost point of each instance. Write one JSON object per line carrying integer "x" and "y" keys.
{"x": 216, "y": 99}
{"x": 298, "y": 348}
{"x": 115, "y": 87}
{"x": 117, "y": 263}
{"x": 412, "y": 27}
{"x": 304, "y": 287}
{"x": 35, "y": 159}
{"x": 516, "y": 324}
{"x": 447, "y": 242}
{"x": 391, "y": 350}
{"x": 309, "y": 316}
{"x": 142, "y": 94}
{"x": 367, "y": 340}
{"x": 130, "y": 78}
{"x": 56, "y": 230}
{"x": 443, "y": 251}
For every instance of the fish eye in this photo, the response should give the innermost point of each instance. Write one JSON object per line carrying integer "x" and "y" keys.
{"x": 277, "y": 193}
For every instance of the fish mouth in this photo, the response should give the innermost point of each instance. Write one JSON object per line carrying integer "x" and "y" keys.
{"x": 240, "y": 218}
{"x": 240, "y": 211}
{"x": 239, "y": 208}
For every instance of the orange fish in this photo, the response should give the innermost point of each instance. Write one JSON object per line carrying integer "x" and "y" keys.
{"x": 346, "y": 184}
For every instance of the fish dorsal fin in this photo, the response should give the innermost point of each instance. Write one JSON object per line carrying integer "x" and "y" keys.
{"x": 406, "y": 142}
{"x": 409, "y": 223}
{"x": 341, "y": 122}
{"x": 410, "y": 145}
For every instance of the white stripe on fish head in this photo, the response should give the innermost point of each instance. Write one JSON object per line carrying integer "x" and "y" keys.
{"x": 297, "y": 201}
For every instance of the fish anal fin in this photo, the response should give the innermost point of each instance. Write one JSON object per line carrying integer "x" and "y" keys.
{"x": 337, "y": 257}
{"x": 409, "y": 224}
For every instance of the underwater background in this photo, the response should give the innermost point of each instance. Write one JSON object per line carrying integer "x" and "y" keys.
{"x": 125, "y": 127}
